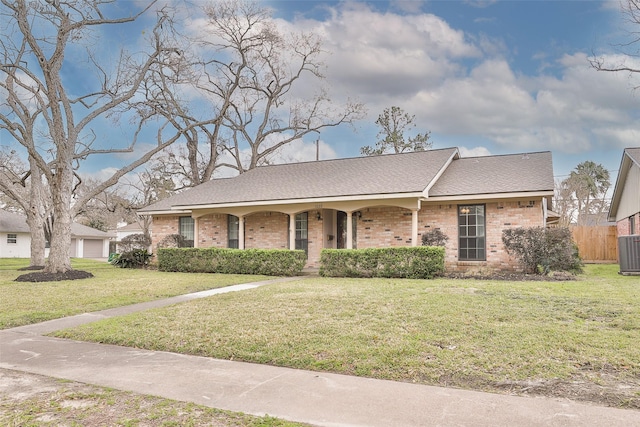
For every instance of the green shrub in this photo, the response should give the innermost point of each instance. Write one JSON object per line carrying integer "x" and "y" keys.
{"x": 173, "y": 241}
{"x": 434, "y": 237}
{"x": 134, "y": 241}
{"x": 422, "y": 262}
{"x": 541, "y": 250}
{"x": 136, "y": 258}
{"x": 269, "y": 262}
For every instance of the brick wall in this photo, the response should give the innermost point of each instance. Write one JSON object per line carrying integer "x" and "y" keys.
{"x": 377, "y": 227}
{"x": 161, "y": 227}
{"x": 498, "y": 216}
{"x": 624, "y": 226}
{"x": 213, "y": 231}
{"x": 266, "y": 230}
{"x": 384, "y": 227}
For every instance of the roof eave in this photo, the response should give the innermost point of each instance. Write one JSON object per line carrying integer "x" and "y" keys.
{"x": 625, "y": 165}
{"x": 296, "y": 201}
{"x": 164, "y": 212}
{"x": 483, "y": 196}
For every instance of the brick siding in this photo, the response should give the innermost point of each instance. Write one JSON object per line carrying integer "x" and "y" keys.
{"x": 624, "y": 226}
{"x": 377, "y": 227}
{"x": 266, "y": 230}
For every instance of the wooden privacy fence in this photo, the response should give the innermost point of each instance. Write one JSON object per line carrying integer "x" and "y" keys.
{"x": 596, "y": 243}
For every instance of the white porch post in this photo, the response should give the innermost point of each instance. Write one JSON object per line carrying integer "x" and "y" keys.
{"x": 349, "y": 230}
{"x": 196, "y": 230}
{"x": 292, "y": 231}
{"x": 241, "y": 232}
{"x": 414, "y": 227}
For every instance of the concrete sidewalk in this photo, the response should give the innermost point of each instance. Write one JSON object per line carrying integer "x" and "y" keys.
{"x": 321, "y": 399}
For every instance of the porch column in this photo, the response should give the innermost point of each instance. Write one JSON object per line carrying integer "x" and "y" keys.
{"x": 196, "y": 231}
{"x": 292, "y": 231}
{"x": 349, "y": 241}
{"x": 240, "y": 231}
{"x": 414, "y": 227}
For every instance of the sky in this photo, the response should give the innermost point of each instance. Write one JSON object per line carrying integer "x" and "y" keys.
{"x": 488, "y": 77}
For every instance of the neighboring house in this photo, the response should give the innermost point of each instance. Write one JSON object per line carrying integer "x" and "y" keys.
{"x": 123, "y": 231}
{"x": 15, "y": 239}
{"x": 625, "y": 203}
{"x": 367, "y": 202}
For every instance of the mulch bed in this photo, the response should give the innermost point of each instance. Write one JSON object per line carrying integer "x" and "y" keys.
{"x": 43, "y": 276}
{"x": 514, "y": 277}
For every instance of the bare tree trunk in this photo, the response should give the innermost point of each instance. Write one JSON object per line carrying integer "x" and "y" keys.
{"x": 36, "y": 215}
{"x": 59, "y": 256}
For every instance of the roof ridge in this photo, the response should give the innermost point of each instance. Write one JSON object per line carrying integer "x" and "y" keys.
{"x": 340, "y": 159}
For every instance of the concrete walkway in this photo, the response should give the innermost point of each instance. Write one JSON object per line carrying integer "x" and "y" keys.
{"x": 316, "y": 398}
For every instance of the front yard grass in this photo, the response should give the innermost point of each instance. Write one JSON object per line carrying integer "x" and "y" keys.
{"x": 24, "y": 303}
{"x": 42, "y": 401}
{"x": 577, "y": 339}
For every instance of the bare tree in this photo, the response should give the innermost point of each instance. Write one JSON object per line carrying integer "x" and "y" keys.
{"x": 246, "y": 71}
{"x": 631, "y": 9}
{"x": 565, "y": 204}
{"x": 153, "y": 184}
{"x": 393, "y": 123}
{"x": 36, "y": 37}
{"x": 106, "y": 209}
{"x": 27, "y": 192}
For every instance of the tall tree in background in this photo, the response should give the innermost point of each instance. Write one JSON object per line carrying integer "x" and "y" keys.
{"x": 393, "y": 123}
{"x": 26, "y": 192}
{"x": 37, "y": 36}
{"x": 250, "y": 78}
{"x": 587, "y": 186}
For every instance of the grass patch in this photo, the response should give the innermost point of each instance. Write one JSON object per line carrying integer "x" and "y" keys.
{"x": 480, "y": 334}
{"x": 43, "y": 401}
{"x": 26, "y": 302}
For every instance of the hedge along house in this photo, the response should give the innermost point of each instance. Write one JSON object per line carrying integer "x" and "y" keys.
{"x": 365, "y": 202}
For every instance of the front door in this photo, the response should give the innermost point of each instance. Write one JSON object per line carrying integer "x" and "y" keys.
{"x": 341, "y": 231}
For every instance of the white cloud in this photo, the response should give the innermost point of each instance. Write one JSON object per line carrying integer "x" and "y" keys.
{"x": 412, "y": 51}
{"x": 462, "y": 84}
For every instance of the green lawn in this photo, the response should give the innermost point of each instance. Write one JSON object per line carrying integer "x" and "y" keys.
{"x": 23, "y": 303}
{"x": 481, "y": 334}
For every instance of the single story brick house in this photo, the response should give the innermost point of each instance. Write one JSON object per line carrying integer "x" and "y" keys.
{"x": 625, "y": 203}
{"x": 366, "y": 202}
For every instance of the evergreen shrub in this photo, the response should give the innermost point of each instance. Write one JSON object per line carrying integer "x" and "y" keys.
{"x": 269, "y": 262}
{"x": 420, "y": 262}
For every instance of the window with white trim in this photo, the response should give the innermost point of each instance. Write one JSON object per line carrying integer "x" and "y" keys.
{"x": 471, "y": 233}
{"x": 233, "y": 230}
{"x": 12, "y": 239}
{"x": 186, "y": 227}
{"x": 302, "y": 224}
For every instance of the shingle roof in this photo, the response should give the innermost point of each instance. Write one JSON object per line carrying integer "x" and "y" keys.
{"x": 13, "y": 223}
{"x": 512, "y": 173}
{"x": 16, "y": 223}
{"x": 376, "y": 175}
{"x": 634, "y": 154}
{"x": 440, "y": 171}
